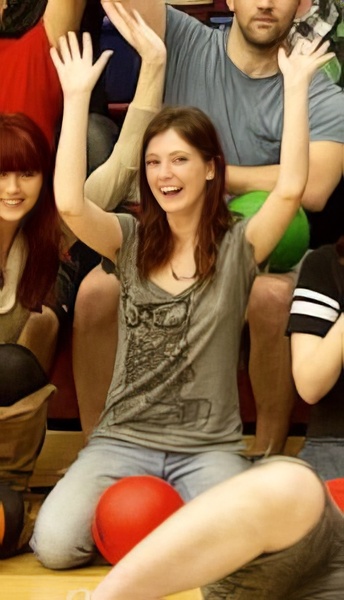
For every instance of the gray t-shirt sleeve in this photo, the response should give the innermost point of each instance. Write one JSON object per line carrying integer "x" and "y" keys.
{"x": 326, "y": 110}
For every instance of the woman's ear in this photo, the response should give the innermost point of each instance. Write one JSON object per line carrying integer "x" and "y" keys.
{"x": 304, "y": 7}
{"x": 211, "y": 170}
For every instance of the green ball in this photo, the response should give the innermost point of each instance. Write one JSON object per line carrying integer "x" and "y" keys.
{"x": 295, "y": 241}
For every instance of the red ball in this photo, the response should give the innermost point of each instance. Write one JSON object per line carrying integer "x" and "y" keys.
{"x": 336, "y": 489}
{"x": 129, "y": 510}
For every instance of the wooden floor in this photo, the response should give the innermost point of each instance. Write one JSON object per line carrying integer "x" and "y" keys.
{"x": 23, "y": 578}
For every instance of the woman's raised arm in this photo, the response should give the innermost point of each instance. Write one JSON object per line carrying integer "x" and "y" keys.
{"x": 266, "y": 228}
{"x": 98, "y": 229}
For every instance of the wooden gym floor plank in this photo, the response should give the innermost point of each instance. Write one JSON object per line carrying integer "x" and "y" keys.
{"x": 23, "y": 578}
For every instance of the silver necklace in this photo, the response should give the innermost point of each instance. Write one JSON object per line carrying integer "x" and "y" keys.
{"x": 182, "y": 277}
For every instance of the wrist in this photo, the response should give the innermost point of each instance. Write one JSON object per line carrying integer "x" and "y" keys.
{"x": 76, "y": 96}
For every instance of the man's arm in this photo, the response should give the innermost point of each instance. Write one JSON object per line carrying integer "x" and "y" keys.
{"x": 153, "y": 12}
{"x": 62, "y": 16}
{"x": 325, "y": 171}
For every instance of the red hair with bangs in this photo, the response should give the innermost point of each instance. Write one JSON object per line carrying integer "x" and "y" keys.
{"x": 24, "y": 147}
{"x": 155, "y": 237}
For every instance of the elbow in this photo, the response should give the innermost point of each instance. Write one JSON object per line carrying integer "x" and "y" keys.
{"x": 66, "y": 212}
{"x": 314, "y": 202}
{"x": 306, "y": 390}
{"x": 309, "y": 397}
{"x": 316, "y": 195}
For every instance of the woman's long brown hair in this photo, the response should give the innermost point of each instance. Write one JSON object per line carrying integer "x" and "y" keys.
{"x": 155, "y": 237}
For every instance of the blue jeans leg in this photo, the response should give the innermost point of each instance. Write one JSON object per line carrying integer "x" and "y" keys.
{"x": 192, "y": 474}
{"x": 325, "y": 455}
{"x": 62, "y": 536}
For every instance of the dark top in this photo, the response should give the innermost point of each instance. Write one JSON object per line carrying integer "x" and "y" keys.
{"x": 20, "y": 16}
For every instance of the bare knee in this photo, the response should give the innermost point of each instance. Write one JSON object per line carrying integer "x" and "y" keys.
{"x": 284, "y": 484}
{"x": 96, "y": 303}
{"x": 270, "y": 298}
{"x": 44, "y": 323}
{"x": 39, "y": 335}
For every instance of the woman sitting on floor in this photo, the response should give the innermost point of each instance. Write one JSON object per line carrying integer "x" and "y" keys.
{"x": 30, "y": 238}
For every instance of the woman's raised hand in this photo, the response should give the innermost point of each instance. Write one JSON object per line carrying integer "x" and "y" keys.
{"x": 304, "y": 59}
{"x": 133, "y": 28}
{"x": 74, "y": 64}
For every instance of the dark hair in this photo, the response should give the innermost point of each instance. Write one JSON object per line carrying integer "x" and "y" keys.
{"x": 24, "y": 147}
{"x": 155, "y": 237}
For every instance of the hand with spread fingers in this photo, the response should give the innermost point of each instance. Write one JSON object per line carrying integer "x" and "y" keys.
{"x": 74, "y": 65}
{"x": 304, "y": 59}
{"x": 136, "y": 32}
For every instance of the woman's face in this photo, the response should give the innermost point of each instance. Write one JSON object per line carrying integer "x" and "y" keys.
{"x": 19, "y": 192}
{"x": 176, "y": 173}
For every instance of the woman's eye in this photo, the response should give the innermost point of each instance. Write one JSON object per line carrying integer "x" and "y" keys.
{"x": 151, "y": 163}
{"x": 27, "y": 173}
{"x": 3, "y": 173}
{"x": 180, "y": 159}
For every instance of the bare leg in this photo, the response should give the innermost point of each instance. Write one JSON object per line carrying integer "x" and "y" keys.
{"x": 39, "y": 335}
{"x": 269, "y": 363}
{"x": 265, "y": 509}
{"x": 94, "y": 343}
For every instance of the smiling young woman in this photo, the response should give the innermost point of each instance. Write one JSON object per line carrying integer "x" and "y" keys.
{"x": 30, "y": 239}
{"x": 172, "y": 406}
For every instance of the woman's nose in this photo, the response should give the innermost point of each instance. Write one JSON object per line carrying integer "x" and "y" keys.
{"x": 12, "y": 183}
{"x": 165, "y": 170}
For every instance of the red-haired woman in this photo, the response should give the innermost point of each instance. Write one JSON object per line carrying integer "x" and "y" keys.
{"x": 30, "y": 239}
{"x": 185, "y": 271}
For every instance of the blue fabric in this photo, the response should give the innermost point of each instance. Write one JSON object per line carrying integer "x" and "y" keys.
{"x": 62, "y": 536}
{"x": 325, "y": 455}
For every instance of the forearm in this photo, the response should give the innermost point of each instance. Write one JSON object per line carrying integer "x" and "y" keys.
{"x": 241, "y": 179}
{"x": 62, "y": 16}
{"x": 317, "y": 367}
{"x": 113, "y": 181}
{"x": 325, "y": 172}
{"x": 70, "y": 169}
{"x": 294, "y": 162}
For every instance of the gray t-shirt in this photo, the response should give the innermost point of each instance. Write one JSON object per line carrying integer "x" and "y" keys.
{"x": 247, "y": 112}
{"x": 174, "y": 386}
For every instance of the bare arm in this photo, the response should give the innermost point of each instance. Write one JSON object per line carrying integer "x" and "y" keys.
{"x": 152, "y": 11}
{"x": 266, "y": 227}
{"x": 98, "y": 229}
{"x": 61, "y": 16}
{"x": 114, "y": 180}
{"x": 317, "y": 362}
{"x": 325, "y": 171}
